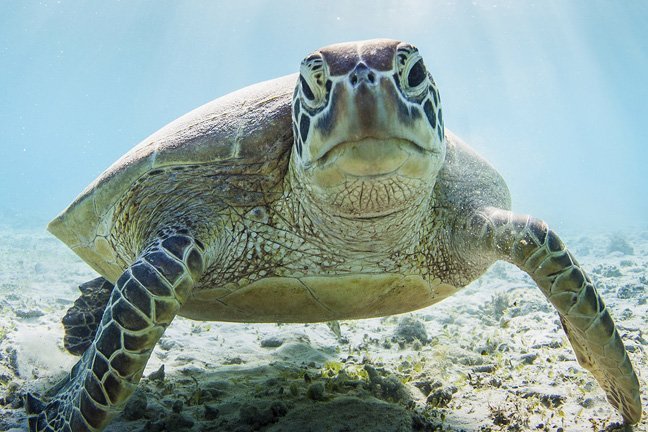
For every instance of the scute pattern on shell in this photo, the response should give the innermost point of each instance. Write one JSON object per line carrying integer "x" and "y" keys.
{"x": 193, "y": 196}
{"x": 245, "y": 130}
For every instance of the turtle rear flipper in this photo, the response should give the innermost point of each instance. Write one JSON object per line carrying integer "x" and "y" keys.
{"x": 82, "y": 319}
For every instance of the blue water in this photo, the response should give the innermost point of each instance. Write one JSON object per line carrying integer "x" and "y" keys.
{"x": 553, "y": 93}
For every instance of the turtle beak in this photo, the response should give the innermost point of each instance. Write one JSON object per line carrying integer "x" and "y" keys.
{"x": 366, "y": 107}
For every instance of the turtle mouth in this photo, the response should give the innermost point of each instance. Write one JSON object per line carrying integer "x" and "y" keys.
{"x": 376, "y": 215}
{"x": 370, "y": 178}
{"x": 369, "y": 156}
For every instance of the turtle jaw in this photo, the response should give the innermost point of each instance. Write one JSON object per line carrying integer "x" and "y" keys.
{"x": 369, "y": 149}
{"x": 370, "y": 178}
{"x": 370, "y": 159}
{"x": 370, "y": 155}
{"x": 368, "y": 112}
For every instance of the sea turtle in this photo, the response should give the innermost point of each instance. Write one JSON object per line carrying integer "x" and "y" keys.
{"x": 335, "y": 193}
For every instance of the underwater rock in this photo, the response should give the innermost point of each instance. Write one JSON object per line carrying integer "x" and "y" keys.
{"x": 177, "y": 422}
{"x": 587, "y": 403}
{"x": 387, "y": 388}
{"x": 211, "y": 412}
{"x": 420, "y": 423}
{"x": 439, "y": 398}
{"x": 272, "y": 342}
{"x": 303, "y": 351}
{"x": 12, "y": 398}
{"x": 528, "y": 358}
{"x": 260, "y": 414}
{"x": 177, "y": 406}
{"x": 315, "y": 391}
{"x": 410, "y": 328}
{"x": 618, "y": 243}
{"x": 630, "y": 291}
{"x": 347, "y": 414}
{"x": 136, "y": 406}
{"x": 12, "y": 360}
{"x": 158, "y": 375}
{"x": 548, "y": 399}
{"x": 154, "y": 426}
{"x": 279, "y": 409}
{"x": 487, "y": 368}
{"x": 166, "y": 344}
{"x": 607, "y": 270}
{"x": 30, "y": 313}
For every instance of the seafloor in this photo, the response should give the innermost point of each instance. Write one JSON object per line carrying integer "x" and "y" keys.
{"x": 491, "y": 358}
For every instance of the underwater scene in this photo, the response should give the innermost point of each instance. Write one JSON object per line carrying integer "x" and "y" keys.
{"x": 323, "y": 216}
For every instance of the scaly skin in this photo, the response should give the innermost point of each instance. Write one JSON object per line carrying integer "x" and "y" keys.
{"x": 82, "y": 320}
{"x": 530, "y": 244}
{"x": 145, "y": 300}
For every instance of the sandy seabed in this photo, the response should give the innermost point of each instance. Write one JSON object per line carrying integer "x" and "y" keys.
{"x": 491, "y": 358}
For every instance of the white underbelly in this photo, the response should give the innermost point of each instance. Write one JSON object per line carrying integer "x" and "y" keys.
{"x": 316, "y": 298}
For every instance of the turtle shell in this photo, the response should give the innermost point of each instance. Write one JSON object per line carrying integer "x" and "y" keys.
{"x": 233, "y": 151}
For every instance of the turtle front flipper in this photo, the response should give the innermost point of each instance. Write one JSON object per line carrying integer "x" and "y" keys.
{"x": 143, "y": 303}
{"x": 529, "y": 244}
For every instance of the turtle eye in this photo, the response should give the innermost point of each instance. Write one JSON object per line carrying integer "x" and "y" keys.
{"x": 416, "y": 74}
{"x": 312, "y": 81}
{"x": 411, "y": 71}
{"x": 306, "y": 90}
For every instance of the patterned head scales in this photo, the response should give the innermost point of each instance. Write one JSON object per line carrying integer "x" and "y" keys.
{"x": 378, "y": 88}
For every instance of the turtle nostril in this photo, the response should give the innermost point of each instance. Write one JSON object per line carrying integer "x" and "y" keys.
{"x": 362, "y": 74}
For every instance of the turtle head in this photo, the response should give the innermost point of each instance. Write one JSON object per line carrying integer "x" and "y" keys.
{"x": 368, "y": 130}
